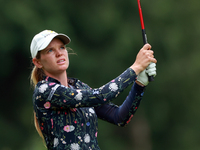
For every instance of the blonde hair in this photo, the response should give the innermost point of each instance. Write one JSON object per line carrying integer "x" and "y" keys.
{"x": 37, "y": 126}
{"x": 36, "y": 76}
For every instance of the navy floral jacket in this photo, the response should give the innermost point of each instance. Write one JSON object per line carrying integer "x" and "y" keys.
{"x": 68, "y": 116}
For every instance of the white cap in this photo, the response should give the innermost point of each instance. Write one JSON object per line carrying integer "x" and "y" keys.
{"x": 41, "y": 40}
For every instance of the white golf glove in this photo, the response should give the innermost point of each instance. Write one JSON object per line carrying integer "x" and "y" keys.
{"x": 150, "y": 70}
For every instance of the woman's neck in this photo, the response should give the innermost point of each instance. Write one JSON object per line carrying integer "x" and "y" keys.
{"x": 62, "y": 78}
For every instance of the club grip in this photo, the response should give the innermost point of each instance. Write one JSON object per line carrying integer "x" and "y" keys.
{"x": 150, "y": 78}
{"x": 144, "y": 36}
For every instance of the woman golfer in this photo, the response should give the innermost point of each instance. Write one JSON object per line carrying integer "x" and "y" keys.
{"x": 66, "y": 109}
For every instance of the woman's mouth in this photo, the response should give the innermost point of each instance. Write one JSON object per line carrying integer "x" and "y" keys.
{"x": 61, "y": 61}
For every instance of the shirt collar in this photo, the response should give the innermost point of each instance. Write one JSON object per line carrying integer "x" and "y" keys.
{"x": 71, "y": 81}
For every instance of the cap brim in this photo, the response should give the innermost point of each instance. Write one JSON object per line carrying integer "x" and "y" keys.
{"x": 64, "y": 38}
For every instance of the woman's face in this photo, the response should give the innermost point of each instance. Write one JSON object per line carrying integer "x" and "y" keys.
{"x": 54, "y": 58}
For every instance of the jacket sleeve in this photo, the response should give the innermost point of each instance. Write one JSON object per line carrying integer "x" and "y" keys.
{"x": 53, "y": 96}
{"x": 122, "y": 115}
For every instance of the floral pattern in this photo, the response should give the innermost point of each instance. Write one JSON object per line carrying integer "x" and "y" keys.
{"x": 69, "y": 128}
{"x": 74, "y": 146}
{"x": 68, "y": 116}
{"x": 43, "y": 88}
{"x": 79, "y": 95}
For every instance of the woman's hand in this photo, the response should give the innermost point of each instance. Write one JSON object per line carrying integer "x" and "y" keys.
{"x": 142, "y": 78}
{"x": 143, "y": 59}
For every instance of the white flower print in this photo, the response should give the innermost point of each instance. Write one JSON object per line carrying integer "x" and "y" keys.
{"x": 79, "y": 137}
{"x": 56, "y": 142}
{"x": 63, "y": 141}
{"x": 95, "y": 92}
{"x": 86, "y": 114}
{"x": 119, "y": 78}
{"x": 75, "y": 146}
{"x": 69, "y": 128}
{"x": 91, "y": 110}
{"x": 79, "y": 95}
{"x": 87, "y": 138}
{"x": 113, "y": 87}
{"x": 43, "y": 88}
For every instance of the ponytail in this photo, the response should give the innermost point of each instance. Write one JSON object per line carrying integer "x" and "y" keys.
{"x": 37, "y": 126}
{"x": 36, "y": 76}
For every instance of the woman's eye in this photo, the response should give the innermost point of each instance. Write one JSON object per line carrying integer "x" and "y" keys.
{"x": 62, "y": 47}
{"x": 49, "y": 51}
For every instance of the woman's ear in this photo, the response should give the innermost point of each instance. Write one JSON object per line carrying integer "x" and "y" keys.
{"x": 37, "y": 63}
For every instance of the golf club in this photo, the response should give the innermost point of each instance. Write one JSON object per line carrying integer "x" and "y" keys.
{"x": 151, "y": 78}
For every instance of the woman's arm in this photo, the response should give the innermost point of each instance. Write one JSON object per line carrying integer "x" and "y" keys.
{"x": 55, "y": 96}
{"x": 121, "y": 115}
{"x": 48, "y": 96}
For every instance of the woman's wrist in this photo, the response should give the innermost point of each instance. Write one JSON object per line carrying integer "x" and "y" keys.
{"x": 140, "y": 84}
{"x": 136, "y": 69}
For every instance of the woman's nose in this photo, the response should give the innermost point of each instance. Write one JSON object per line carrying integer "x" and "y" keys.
{"x": 58, "y": 53}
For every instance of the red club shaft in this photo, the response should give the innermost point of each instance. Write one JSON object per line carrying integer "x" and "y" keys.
{"x": 142, "y": 23}
{"x": 151, "y": 78}
{"x": 141, "y": 16}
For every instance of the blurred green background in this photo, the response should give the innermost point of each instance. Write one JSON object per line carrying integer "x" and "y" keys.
{"x": 106, "y": 36}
